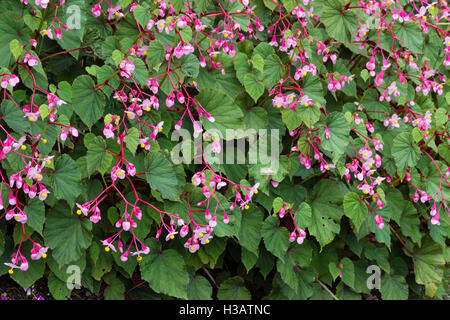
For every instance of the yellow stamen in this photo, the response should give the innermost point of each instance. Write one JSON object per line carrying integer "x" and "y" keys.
{"x": 31, "y": 118}
{"x": 23, "y": 147}
{"x": 139, "y": 258}
{"x": 200, "y": 235}
{"x": 107, "y": 249}
{"x": 79, "y": 212}
{"x": 10, "y": 271}
{"x": 44, "y": 141}
{"x": 44, "y": 256}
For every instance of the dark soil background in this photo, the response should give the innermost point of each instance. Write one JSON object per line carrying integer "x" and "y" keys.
{"x": 15, "y": 292}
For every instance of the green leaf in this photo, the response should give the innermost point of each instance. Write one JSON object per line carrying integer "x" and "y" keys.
{"x": 250, "y": 230}
{"x": 166, "y": 273}
{"x": 115, "y": 290}
{"x": 276, "y": 238}
{"x": 309, "y": 115}
{"x": 258, "y": 62}
{"x": 226, "y": 114}
{"x": 66, "y": 234}
{"x": 429, "y": 266}
{"x": 233, "y": 289}
{"x": 355, "y": 208}
{"x": 326, "y": 211}
{"x": 393, "y": 287}
{"x": 190, "y": 65}
{"x": 11, "y": 28}
{"x": 16, "y": 48}
{"x": 339, "y": 134}
{"x": 348, "y": 272}
{"x": 58, "y": 288}
{"x": 27, "y": 278}
{"x": 97, "y": 157}
{"x": 132, "y": 139}
{"x": 88, "y": 103}
{"x": 405, "y": 151}
{"x": 339, "y": 23}
{"x": 155, "y": 53}
{"x": 256, "y": 119}
{"x": 161, "y": 175}
{"x": 199, "y": 288}
{"x": 273, "y": 69}
{"x": 142, "y": 15}
{"x": 14, "y": 117}
{"x": 297, "y": 255}
{"x": 36, "y": 214}
{"x": 66, "y": 182}
{"x": 312, "y": 87}
{"x": 253, "y": 87}
{"x": 411, "y": 35}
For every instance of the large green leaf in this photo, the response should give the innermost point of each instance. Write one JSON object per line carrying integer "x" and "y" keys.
{"x": 161, "y": 175}
{"x": 250, "y": 231}
{"x": 96, "y": 156}
{"x": 35, "y": 214}
{"x": 340, "y": 23}
{"x": 393, "y": 287}
{"x": 166, "y": 273}
{"x": 326, "y": 211}
{"x": 226, "y": 114}
{"x": 429, "y": 266}
{"x": 14, "y": 117}
{"x": 405, "y": 151}
{"x": 233, "y": 289}
{"x": 276, "y": 238}
{"x": 88, "y": 103}
{"x": 355, "y": 208}
{"x": 253, "y": 86}
{"x": 66, "y": 182}
{"x": 199, "y": 288}
{"x": 339, "y": 130}
{"x": 11, "y": 27}
{"x": 66, "y": 234}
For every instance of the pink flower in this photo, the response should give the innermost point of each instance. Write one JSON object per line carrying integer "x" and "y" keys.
{"x": 216, "y": 147}
{"x": 327, "y": 133}
{"x": 301, "y": 236}
{"x": 63, "y": 135}
{"x": 96, "y": 10}
{"x": 379, "y": 221}
{"x": 131, "y": 169}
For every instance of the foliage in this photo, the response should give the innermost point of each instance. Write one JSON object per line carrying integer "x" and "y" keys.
{"x": 348, "y": 100}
